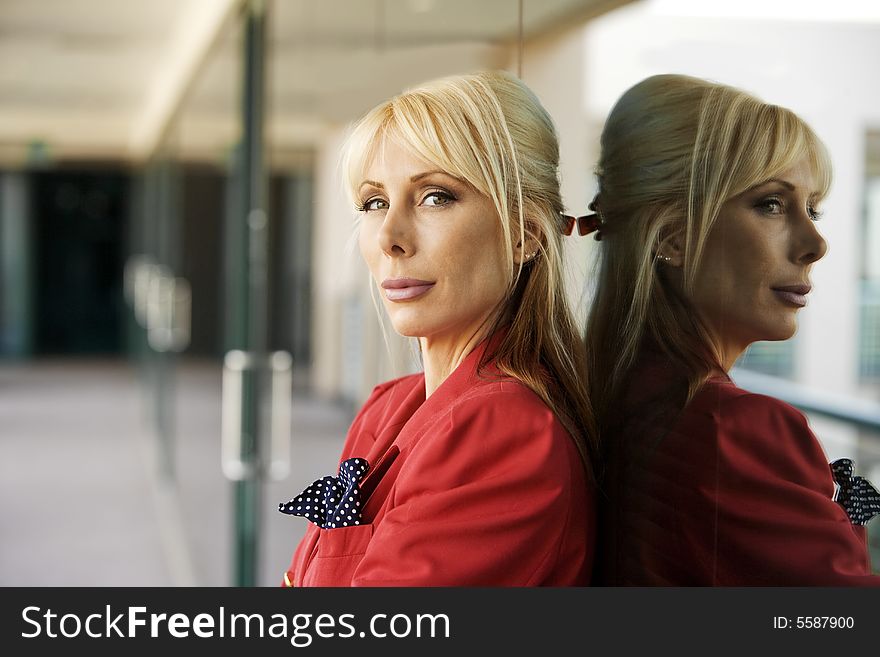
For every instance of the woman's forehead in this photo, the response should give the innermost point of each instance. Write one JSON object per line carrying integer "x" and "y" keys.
{"x": 389, "y": 152}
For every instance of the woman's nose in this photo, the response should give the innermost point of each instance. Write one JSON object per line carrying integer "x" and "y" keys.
{"x": 395, "y": 233}
{"x": 811, "y": 245}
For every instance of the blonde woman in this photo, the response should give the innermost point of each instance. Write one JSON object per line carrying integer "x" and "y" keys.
{"x": 707, "y": 209}
{"x": 476, "y": 472}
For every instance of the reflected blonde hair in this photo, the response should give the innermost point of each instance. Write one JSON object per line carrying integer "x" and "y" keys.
{"x": 489, "y": 130}
{"x": 673, "y": 150}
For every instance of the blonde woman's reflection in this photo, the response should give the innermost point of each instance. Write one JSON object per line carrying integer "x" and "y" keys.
{"x": 708, "y": 206}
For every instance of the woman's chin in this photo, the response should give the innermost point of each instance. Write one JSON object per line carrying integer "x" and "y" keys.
{"x": 783, "y": 331}
{"x": 407, "y": 329}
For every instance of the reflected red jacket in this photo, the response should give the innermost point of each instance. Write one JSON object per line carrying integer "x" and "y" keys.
{"x": 735, "y": 490}
{"x": 479, "y": 485}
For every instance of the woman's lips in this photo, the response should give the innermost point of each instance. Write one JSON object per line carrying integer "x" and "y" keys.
{"x": 405, "y": 289}
{"x": 793, "y": 294}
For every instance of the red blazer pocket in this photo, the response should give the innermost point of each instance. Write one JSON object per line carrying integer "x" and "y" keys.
{"x": 339, "y": 553}
{"x": 344, "y": 541}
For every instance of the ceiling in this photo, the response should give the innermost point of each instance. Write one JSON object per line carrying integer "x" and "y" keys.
{"x": 103, "y": 79}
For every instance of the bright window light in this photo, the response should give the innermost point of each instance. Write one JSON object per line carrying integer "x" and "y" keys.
{"x": 848, "y": 11}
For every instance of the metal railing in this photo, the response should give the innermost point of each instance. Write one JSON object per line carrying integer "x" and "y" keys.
{"x": 863, "y": 413}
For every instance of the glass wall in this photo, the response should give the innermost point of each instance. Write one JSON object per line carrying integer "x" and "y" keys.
{"x": 179, "y": 282}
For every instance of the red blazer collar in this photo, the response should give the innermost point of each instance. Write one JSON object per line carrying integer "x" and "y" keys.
{"x": 416, "y": 411}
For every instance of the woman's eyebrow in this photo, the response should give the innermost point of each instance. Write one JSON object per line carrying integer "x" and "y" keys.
{"x": 779, "y": 181}
{"x": 415, "y": 178}
{"x": 425, "y": 174}
{"x": 789, "y": 186}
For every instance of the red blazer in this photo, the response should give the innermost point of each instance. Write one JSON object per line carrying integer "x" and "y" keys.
{"x": 735, "y": 490}
{"x": 479, "y": 485}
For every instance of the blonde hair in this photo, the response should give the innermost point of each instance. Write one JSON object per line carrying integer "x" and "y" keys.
{"x": 673, "y": 150}
{"x": 491, "y": 131}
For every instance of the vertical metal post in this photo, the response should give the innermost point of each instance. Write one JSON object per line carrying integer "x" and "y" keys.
{"x": 249, "y": 305}
{"x": 167, "y": 249}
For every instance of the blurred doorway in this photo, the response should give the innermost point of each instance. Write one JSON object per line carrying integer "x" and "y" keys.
{"x": 80, "y": 223}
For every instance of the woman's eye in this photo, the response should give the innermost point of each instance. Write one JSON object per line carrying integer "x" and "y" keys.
{"x": 437, "y": 199}
{"x": 815, "y": 214}
{"x": 374, "y": 204}
{"x": 771, "y": 205}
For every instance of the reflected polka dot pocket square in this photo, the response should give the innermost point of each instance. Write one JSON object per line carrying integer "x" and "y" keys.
{"x": 331, "y": 502}
{"x": 855, "y": 494}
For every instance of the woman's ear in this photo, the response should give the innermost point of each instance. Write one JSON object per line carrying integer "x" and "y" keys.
{"x": 528, "y": 248}
{"x": 522, "y": 253}
{"x": 671, "y": 248}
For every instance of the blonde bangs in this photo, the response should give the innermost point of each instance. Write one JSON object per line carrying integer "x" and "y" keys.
{"x": 427, "y": 127}
{"x": 433, "y": 132}
{"x": 361, "y": 148}
{"x": 784, "y": 139}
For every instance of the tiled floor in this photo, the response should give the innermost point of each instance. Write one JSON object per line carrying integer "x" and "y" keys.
{"x": 80, "y": 499}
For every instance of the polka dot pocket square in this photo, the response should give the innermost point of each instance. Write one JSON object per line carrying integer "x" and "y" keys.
{"x": 855, "y": 494}
{"x": 331, "y": 502}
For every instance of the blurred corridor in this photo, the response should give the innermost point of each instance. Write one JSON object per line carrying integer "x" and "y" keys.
{"x": 81, "y": 503}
